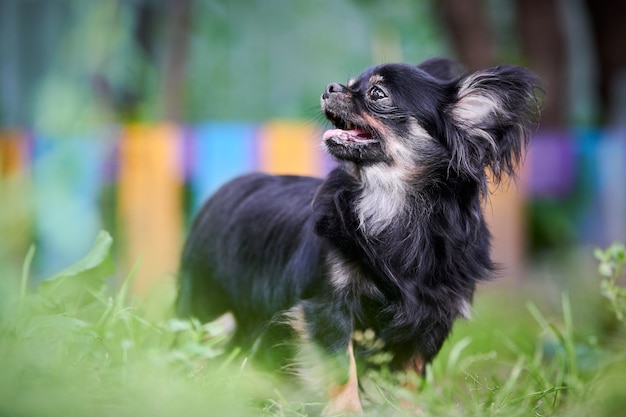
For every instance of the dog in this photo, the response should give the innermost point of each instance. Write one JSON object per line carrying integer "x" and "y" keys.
{"x": 392, "y": 240}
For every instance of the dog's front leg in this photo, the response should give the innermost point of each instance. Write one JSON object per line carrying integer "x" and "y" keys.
{"x": 414, "y": 369}
{"x": 326, "y": 357}
{"x": 344, "y": 398}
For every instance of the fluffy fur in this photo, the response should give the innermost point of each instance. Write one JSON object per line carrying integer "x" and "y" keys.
{"x": 393, "y": 240}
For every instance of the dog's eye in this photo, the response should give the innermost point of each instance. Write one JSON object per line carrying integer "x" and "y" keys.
{"x": 376, "y": 93}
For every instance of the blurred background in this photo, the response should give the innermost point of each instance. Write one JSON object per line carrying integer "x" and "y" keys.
{"x": 126, "y": 114}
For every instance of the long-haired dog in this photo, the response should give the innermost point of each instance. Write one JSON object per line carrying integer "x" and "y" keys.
{"x": 393, "y": 240}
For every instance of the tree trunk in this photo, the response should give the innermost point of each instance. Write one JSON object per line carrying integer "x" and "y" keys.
{"x": 469, "y": 32}
{"x": 543, "y": 43}
{"x": 174, "y": 60}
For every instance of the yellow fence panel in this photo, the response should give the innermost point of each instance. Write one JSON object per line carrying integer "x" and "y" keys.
{"x": 290, "y": 148}
{"x": 12, "y": 153}
{"x": 150, "y": 200}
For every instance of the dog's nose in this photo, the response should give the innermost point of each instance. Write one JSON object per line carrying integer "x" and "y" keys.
{"x": 332, "y": 88}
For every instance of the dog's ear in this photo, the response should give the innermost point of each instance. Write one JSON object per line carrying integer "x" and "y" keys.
{"x": 494, "y": 113}
{"x": 443, "y": 68}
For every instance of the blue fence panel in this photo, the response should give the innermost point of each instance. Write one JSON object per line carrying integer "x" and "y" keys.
{"x": 219, "y": 151}
{"x": 611, "y": 184}
{"x": 67, "y": 174}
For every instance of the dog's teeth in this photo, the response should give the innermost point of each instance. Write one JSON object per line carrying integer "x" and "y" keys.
{"x": 349, "y": 126}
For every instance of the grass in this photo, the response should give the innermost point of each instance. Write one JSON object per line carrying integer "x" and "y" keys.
{"x": 71, "y": 348}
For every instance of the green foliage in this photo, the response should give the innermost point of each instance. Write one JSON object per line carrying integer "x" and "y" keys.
{"x": 611, "y": 269}
{"x": 71, "y": 348}
{"x": 105, "y": 62}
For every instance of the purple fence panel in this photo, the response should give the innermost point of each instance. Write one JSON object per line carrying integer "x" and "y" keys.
{"x": 552, "y": 164}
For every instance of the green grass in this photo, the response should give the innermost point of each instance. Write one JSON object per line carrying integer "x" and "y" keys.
{"x": 71, "y": 348}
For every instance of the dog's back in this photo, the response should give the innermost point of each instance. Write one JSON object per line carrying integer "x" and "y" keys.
{"x": 251, "y": 252}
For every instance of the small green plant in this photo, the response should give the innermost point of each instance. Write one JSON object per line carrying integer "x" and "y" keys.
{"x": 611, "y": 269}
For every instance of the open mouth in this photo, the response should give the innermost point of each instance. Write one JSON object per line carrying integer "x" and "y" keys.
{"x": 347, "y": 131}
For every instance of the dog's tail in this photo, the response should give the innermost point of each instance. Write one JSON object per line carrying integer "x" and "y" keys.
{"x": 198, "y": 296}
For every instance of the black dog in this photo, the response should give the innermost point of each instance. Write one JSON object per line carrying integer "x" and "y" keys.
{"x": 394, "y": 240}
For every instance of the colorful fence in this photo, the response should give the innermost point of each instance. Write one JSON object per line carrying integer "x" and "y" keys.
{"x": 134, "y": 179}
{"x": 145, "y": 182}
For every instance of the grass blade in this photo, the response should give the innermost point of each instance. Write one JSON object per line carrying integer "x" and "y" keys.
{"x": 28, "y": 260}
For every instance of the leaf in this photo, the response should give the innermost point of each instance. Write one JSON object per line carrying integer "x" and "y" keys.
{"x": 81, "y": 281}
{"x": 605, "y": 269}
{"x": 600, "y": 254}
{"x": 455, "y": 353}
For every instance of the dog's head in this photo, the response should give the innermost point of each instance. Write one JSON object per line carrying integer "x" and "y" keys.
{"x": 418, "y": 119}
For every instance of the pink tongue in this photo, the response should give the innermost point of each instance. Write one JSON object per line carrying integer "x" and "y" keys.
{"x": 347, "y": 134}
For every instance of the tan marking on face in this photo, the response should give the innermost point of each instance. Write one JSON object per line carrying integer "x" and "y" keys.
{"x": 375, "y": 123}
{"x": 344, "y": 399}
{"x": 376, "y": 78}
